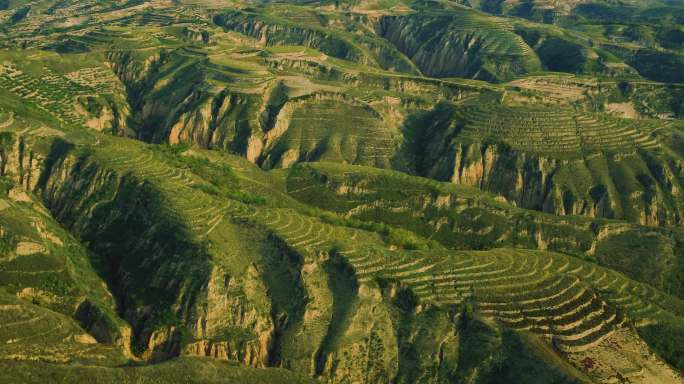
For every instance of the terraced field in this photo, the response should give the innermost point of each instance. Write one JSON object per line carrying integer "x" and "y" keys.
{"x": 491, "y": 50}
{"x": 316, "y": 134}
{"x": 574, "y": 304}
{"x": 337, "y": 192}
{"x": 200, "y": 211}
{"x": 557, "y": 132}
{"x": 37, "y": 333}
{"x": 577, "y": 305}
{"x": 188, "y": 199}
{"x": 52, "y": 93}
{"x": 522, "y": 290}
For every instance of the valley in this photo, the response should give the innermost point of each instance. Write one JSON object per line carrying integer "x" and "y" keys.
{"x": 340, "y": 192}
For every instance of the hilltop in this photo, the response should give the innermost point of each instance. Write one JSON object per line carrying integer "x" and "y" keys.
{"x": 341, "y": 191}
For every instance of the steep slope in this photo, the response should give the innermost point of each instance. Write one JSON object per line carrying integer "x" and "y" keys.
{"x": 257, "y": 107}
{"x": 461, "y": 217}
{"x": 460, "y": 43}
{"x": 332, "y": 34}
{"x": 558, "y": 161}
{"x": 176, "y": 294}
{"x": 55, "y": 306}
{"x": 552, "y": 11}
{"x": 624, "y": 39}
{"x": 560, "y": 50}
{"x": 569, "y": 169}
{"x": 186, "y": 370}
{"x": 194, "y": 192}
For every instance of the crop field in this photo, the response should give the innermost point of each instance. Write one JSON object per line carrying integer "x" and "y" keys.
{"x": 384, "y": 191}
{"x": 315, "y": 133}
{"x": 51, "y": 93}
{"x": 557, "y": 131}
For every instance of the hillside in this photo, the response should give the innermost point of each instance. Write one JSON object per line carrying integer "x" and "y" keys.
{"x": 340, "y": 192}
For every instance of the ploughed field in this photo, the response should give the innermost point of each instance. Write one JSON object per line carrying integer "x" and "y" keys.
{"x": 554, "y": 131}
{"x": 393, "y": 191}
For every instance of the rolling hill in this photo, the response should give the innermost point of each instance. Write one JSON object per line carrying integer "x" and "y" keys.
{"x": 341, "y": 192}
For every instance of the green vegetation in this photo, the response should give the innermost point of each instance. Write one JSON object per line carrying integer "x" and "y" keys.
{"x": 187, "y": 370}
{"x": 342, "y": 191}
{"x": 493, "y": 52}
{"x": 664, "y": 339}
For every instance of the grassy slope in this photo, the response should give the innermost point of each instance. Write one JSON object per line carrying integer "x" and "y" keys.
{"x": 263, "y": 194}
{"x": 185, "y": 370}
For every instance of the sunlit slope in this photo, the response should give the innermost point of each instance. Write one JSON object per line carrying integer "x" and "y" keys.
{"x": 146, "y": 183}
{"x": 460, "y": 43}
{"x": 338, "y": 191}
{"x": 554, "y": 159}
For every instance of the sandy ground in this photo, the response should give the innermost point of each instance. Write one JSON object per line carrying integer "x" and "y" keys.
{"x": 16, "y": 194}
{"x": 623, "y": 110}
{"x": 557, "y": 89}
{"x": 625, "y": 358}
{"x": 28, "y": 248}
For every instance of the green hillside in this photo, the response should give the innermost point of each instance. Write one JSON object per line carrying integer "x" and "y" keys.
{"x": 341, "y": 192}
